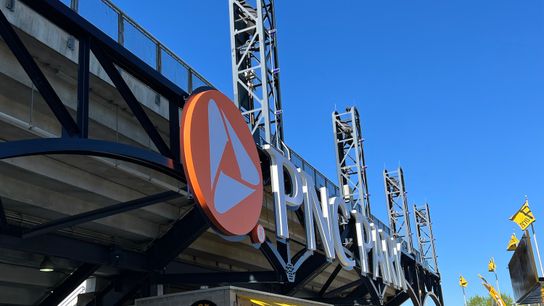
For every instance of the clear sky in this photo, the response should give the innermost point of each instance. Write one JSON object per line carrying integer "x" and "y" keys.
{"x": 451, "y": 90}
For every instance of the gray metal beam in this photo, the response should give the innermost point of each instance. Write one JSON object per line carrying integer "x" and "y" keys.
{"x": 255, "y": 68}
{"x": 397, "y": 206}
{"x": 350, "y": 159}
{"x": 83, "y": 251}
{"x": 100, "y": 213}
{"x": 425, "y": 237}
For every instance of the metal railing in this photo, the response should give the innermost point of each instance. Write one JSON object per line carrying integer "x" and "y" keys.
{"x": 115, "y": 23}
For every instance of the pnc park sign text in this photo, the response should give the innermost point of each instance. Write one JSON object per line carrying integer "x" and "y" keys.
{"x": 223, "y": 169}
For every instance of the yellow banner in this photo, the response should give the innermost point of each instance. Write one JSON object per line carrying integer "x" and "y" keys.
{"x": 491, "y": 267}
{"x": 513, "y": 243}
{"x": 251, "y": 301}
{"x": 524, "y": 216}
{"x": 492, "y": 292}
{"x": 462, "y": 281}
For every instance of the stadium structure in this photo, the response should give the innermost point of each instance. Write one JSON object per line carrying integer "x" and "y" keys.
{"x": 126, "y": 178}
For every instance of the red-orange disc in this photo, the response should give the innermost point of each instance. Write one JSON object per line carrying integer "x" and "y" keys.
{"x": 221, "y": 162}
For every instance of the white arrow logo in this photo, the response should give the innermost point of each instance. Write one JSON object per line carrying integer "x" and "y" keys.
{"x": 228, "y": 191}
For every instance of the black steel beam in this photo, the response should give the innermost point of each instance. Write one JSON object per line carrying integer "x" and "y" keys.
{"x": 100, "y": 213}
{"x": 130, "y": 99}
{"x": 120, "y": 289}
{"x": 175, "y": 145}
{"x": 184, "y": 232}
{"x": 309, "y": 269}
{"x": 399, "y": 299}
{"x": 221, "y": 277}
{"x": 72, "y": 23}
{"x": 330, "y": 280}
{"x": 373, "y": 289}
{"x": 3, "y": 220}
{"x": 163, "y": 251}
{"x": 91, "y": 147}
{"x": 55, "y": 245}
{"x": 59, "y": 293}
{"x": 343, "y": 288}
{"x": 83, "y": 86}
{"x": 34, "y": 72}
{"x": 271, "y": 256}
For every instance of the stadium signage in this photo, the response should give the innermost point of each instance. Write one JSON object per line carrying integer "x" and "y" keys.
{"x": 223, "y": 169}
{"x": 323, "y": 213}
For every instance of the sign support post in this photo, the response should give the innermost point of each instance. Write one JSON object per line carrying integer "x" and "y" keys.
{"x": 464, "y": 295}
{"x": 537, "y": 250}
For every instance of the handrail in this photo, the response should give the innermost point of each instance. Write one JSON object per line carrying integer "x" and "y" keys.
{"x": 192, "y": 75}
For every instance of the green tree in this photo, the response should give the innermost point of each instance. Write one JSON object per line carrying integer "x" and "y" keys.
{"x": 479, "y": 300}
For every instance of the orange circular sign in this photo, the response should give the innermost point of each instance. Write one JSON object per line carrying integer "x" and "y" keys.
{"x": 221, "y": 162}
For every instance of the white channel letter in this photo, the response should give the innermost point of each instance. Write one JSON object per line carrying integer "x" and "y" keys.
{"x": 283, "y": 201}
{"x": 396, "y": 267}
{"x": 336, "y": 203}
{"x": 378, "y": 256}
{"x": 388, "y": 262}
{"x": 316, "y": 211}
{"x": 363, "y": 236}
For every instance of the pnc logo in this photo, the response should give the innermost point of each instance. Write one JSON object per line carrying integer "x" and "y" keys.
{"x": 222, "y": 165}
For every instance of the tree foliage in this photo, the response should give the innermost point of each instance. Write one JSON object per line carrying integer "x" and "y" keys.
{"x": 479, "y": 300}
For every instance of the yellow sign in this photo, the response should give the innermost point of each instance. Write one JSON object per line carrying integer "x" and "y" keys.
{"x": 492, "y": 292}
{"x": 491, "y": 267}
{"x": 251, "y": 301}
{"x": 524, "y": 216}
{"x": 513, "y": 243}
{"x": 462, "y": 281}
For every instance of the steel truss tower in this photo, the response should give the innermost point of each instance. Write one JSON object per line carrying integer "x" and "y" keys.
{"x": 255, "y": 68}
{"x": 397, "y": 206}
{"x": 425, "y": 236}
{"x": 350, "y": 159}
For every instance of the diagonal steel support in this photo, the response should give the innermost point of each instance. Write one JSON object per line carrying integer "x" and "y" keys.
{"x": 330, "y": 280}
{"x": 100, "y": 213}
{"x": 343, "y": 288}
{"x": 74, "y": 249}
{"x": 163, "y": 251}
{"x": 24, "y": 58}
{"x": 184, "y": 232}
{"x": 373, "y": 289}
{"x": 120, "y": 289}
{"x": 76, "y": 25}
{"x": 309, "y": 269}
{"x": 399, "y": 299}
{"x": 273, "y": 257}
{"x": 131, "y": 100}
{"x": 69, "y": 284}
{"x": 83, "y": 86}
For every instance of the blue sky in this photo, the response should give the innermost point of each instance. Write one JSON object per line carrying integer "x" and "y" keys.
{"x": 451, "y": 90}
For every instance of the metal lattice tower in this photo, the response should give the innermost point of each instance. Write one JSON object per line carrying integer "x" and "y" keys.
{"x": 255, "y": 68}
{"x": 350, "y": 159}
{"x": 397, "y": 206}
{"x": 425, "y": 236}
